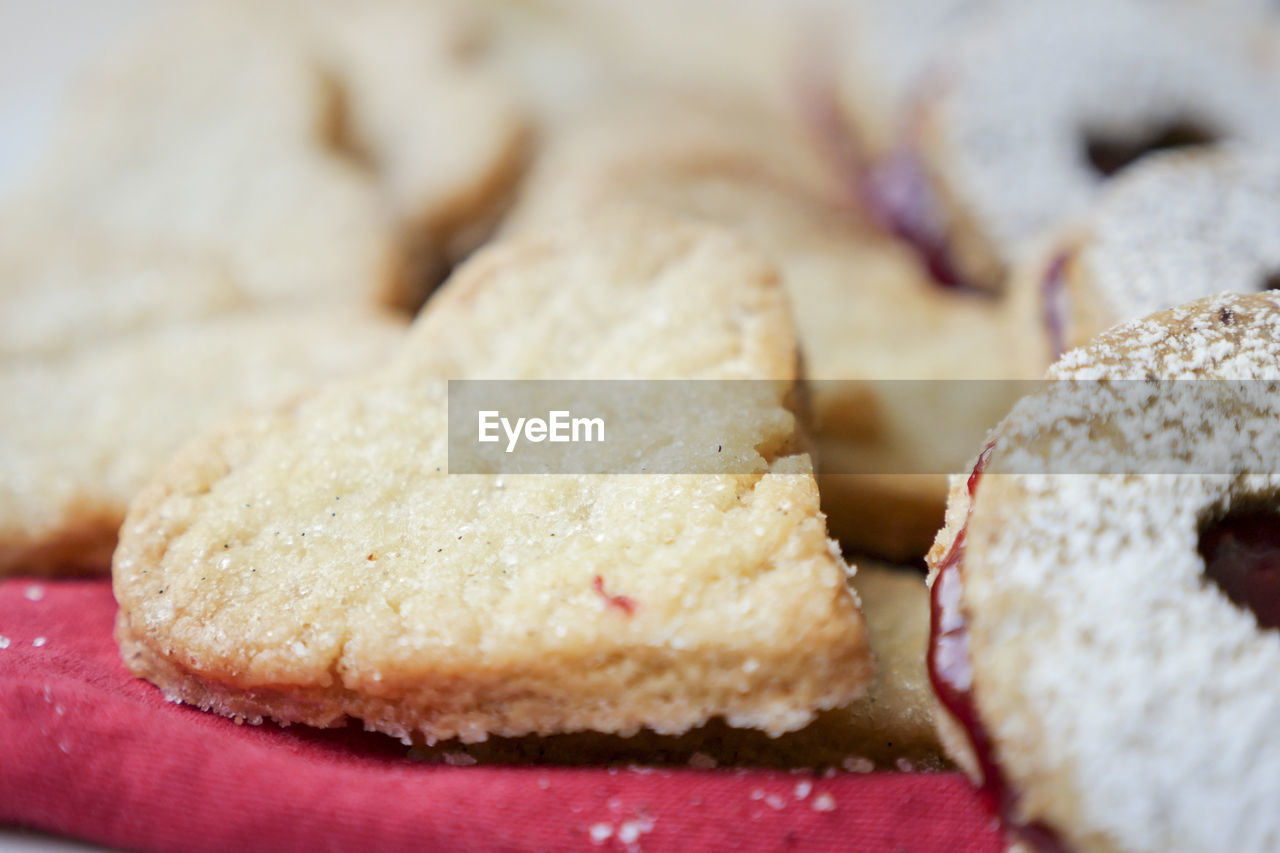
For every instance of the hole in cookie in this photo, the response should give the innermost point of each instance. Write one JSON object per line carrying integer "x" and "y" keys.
{"x": 1241, "y": 552}
{"x": 1109, "y": 154}
{"x": 1271, "y": 282}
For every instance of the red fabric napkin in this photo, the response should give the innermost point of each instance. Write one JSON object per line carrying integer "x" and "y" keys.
{"x": 88, "y": 751}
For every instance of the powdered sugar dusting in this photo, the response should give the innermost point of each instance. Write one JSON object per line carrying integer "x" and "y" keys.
{"x": 1107, "y": 67}
{"x": 1182, "y": 226}
{"x": 1087, "y": 601}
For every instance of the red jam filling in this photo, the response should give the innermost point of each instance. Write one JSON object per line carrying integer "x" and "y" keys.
{"x": 622, "y": 602}
{"x": 894, "y": 190}
{"x": 1053, "y": 291}
{"x": 951, "y": 673}
{"x": 1241, "y": 554}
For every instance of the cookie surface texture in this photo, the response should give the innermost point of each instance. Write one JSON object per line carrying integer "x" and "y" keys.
{"x": 320, "y": 562}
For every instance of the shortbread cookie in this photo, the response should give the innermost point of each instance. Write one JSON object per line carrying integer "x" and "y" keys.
{"x": 80, "y": 433}
{"x": 61, "y": 291}
{"x": 1176, "y": 227}
{"x": 320, "y": 562}
{"x": 210, "y": 135}
{"x": 570, "y": 54}
{"x": 865, "y": 310}
{"x": 895, "y": 721}
{"x": 891, "y": 727}
{"x": 1034, "y": 112}
{"x": 1104, "y": 644}
{"x": 440, "y": 129}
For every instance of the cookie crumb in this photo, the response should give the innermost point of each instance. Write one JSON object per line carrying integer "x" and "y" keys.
{"x": 824, "y": 803}
{"x": 600, "y": 833}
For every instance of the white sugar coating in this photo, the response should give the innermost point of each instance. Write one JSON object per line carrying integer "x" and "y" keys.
{"x": 824, "y": 802}
{"x": 1177, "y": 227}
{"x": 1006, "y": 139}
{"x": 39, "y": 642}
{"x": 600, "y": 832}
{"x": 1132, "y": 705}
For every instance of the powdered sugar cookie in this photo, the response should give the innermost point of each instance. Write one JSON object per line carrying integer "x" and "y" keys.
{"x": 1036, "y": 110}
{"x": 1102, "y": 644}
{"x": 439, "y": 605}
{"x": 1174, "y": 228}
{"x": 82, "y": 430}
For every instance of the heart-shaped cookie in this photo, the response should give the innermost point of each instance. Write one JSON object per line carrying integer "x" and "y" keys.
{"x": 320, "y": 561}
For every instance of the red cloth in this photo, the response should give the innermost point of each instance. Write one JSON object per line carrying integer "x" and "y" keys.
{"x": 88, "y": 751}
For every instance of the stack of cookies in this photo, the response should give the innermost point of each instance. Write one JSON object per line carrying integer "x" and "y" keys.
{"x": 269, "y": 245}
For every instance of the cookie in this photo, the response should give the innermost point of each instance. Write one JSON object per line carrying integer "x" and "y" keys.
{"x": 1101, "y": 642}
{"x": 440, "y": 128}
{"x": 1176, "y": 227}
{"x": 321, "y": 562}
{"x": 891, "y": 727}
{"x": 209, "y": 135}
{"x": 1036, "y": 110}
{"x": 83, "y": 430}
{"x": 61, "y": 291}
{"x": 882, "y": 56}
{"x": 865, "y": 310}
{"x": 575, "y": 54}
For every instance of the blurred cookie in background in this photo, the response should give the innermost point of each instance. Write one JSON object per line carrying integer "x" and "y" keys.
{"x": 865, "y": 308}
{"x": 1175, "y": 227}
{"x": 1034, "y": 111}
{"x": 81, "y": 431}
{"x": 441, "y": 129}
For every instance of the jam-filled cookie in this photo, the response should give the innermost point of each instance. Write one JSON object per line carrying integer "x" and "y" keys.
{"x": 1104, "y": 645}
{"x": 1176, "y": 227}
{"x": 1037, "y": 108}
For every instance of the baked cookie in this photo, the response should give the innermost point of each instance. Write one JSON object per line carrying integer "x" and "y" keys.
{"x": 210, "y": 135}
{"x": 1176, "y": 227}
{"x": 62, "y": 291}
{"x": 1103, "y": 643}
{"x": 865, "y": 309}
{"x": 83, "y": 429}
{"x": 1033, "y": 112}
{"x": 891, "y": 727}
{"x": 882, "y": 55}
{"x": 574, "y": 54}
{"x": 321, "y": 562}
{"x": 423, "y": 107}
